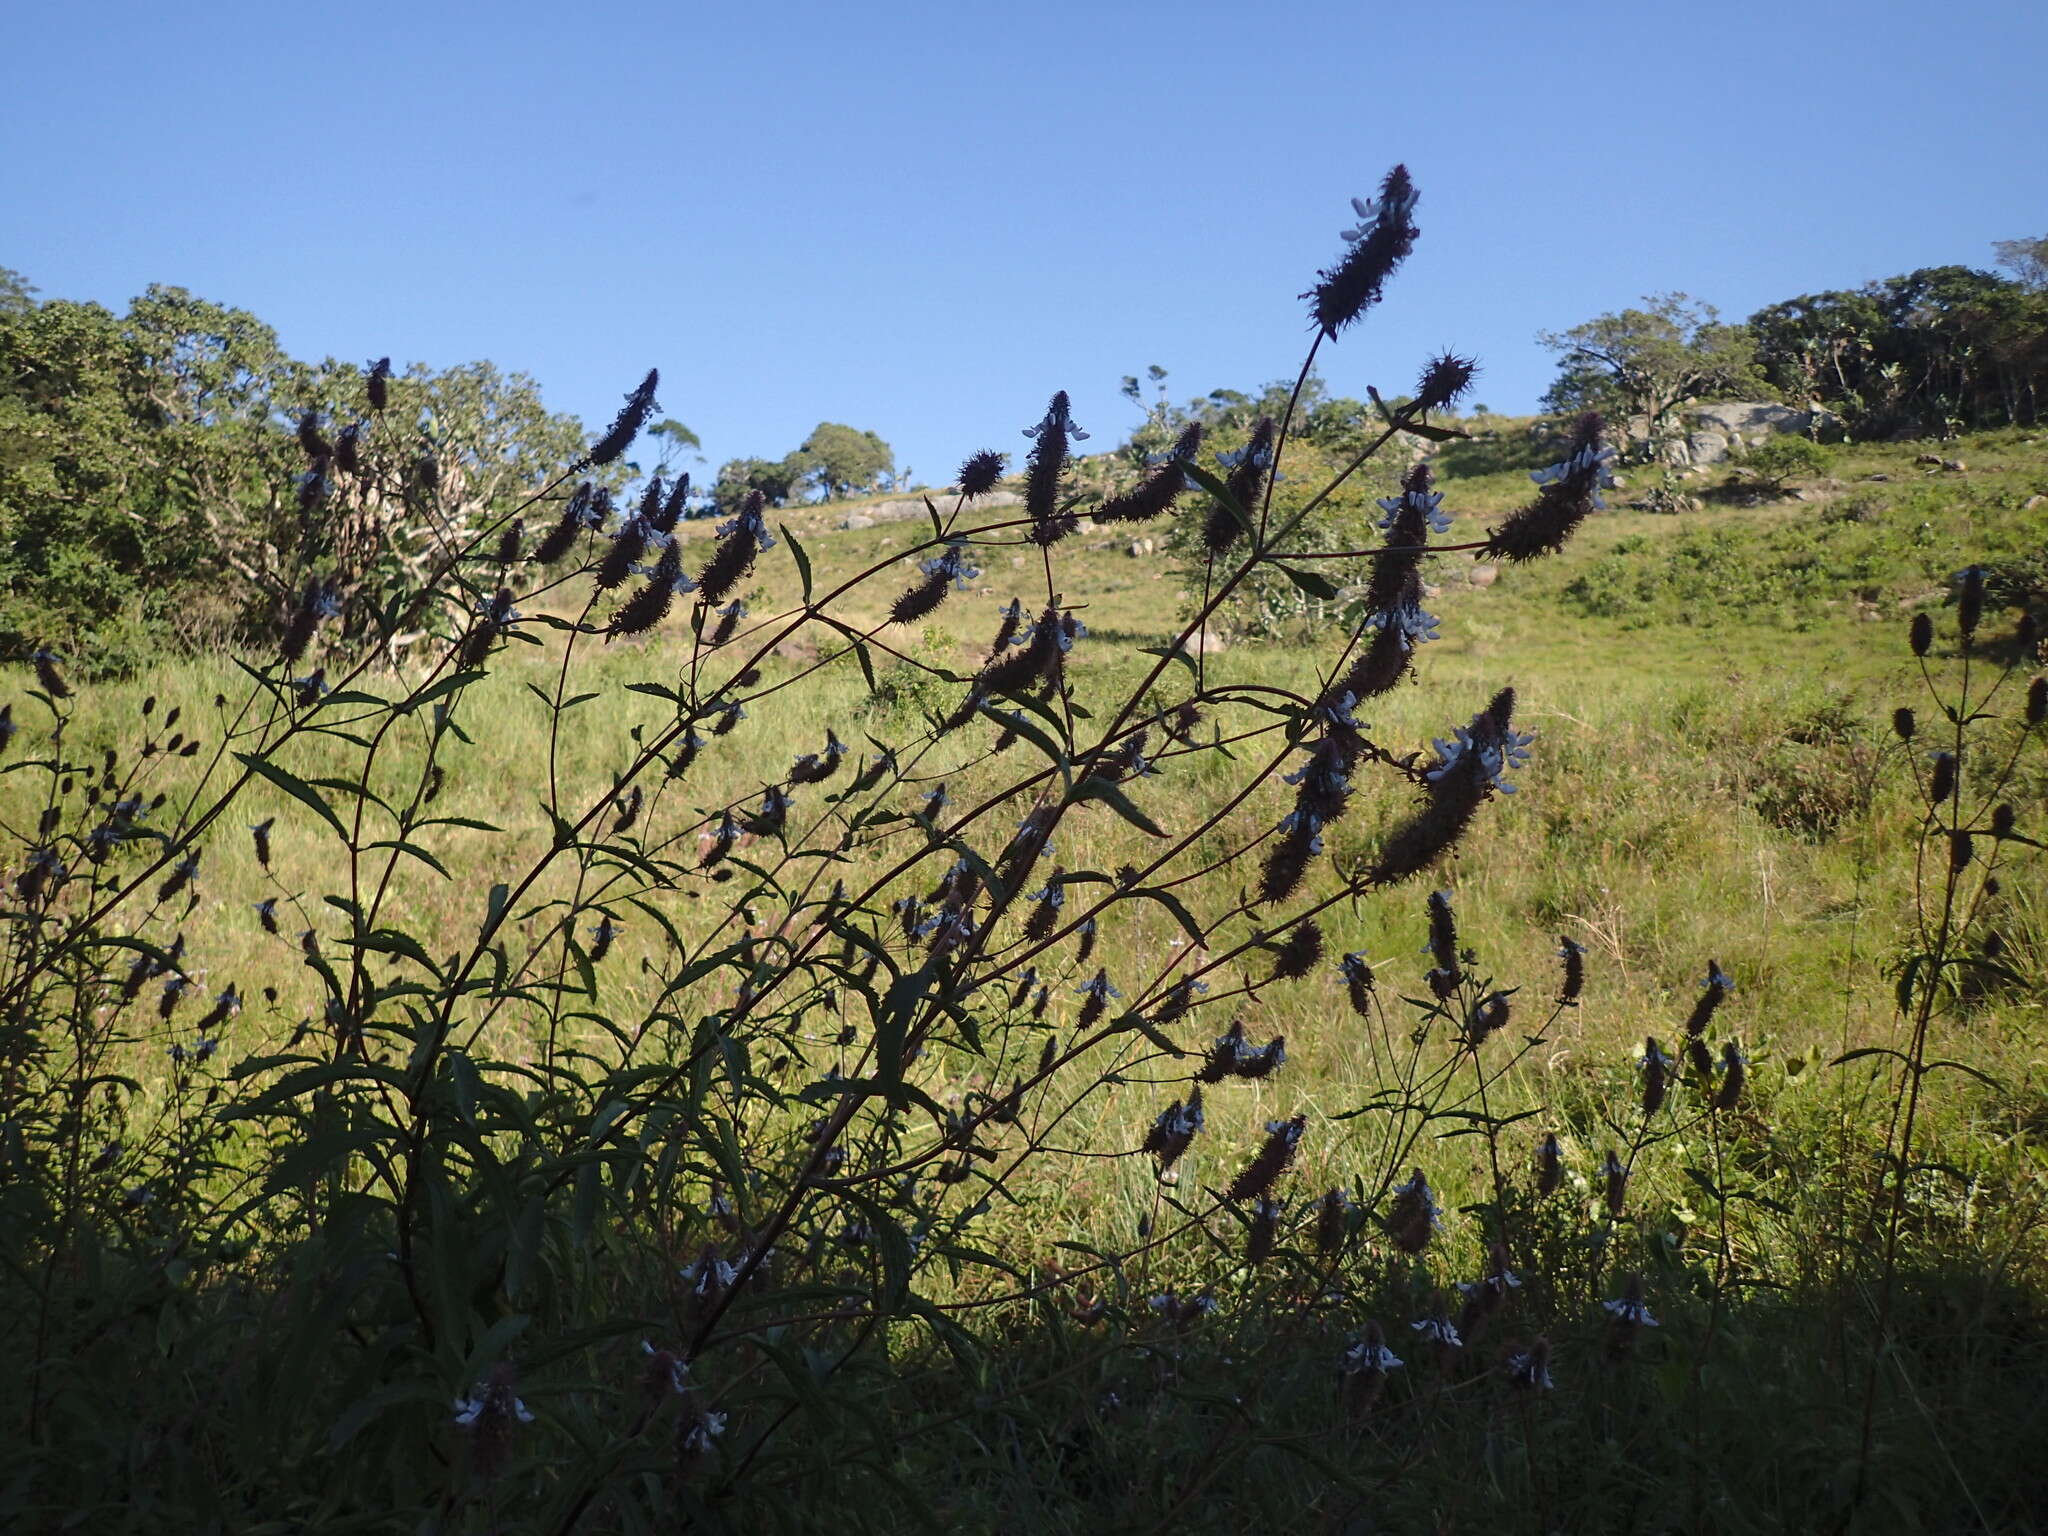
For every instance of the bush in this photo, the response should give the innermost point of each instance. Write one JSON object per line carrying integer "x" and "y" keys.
{"x": 1773, "y": 464}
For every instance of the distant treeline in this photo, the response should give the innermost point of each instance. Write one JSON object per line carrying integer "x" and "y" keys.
{"x": 1939, "y": 350}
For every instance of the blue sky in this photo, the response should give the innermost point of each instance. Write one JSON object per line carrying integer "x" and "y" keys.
{"x": 923, "y": 219}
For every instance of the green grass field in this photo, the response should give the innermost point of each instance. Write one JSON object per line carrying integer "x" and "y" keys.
{"x": 1714, "y": 780}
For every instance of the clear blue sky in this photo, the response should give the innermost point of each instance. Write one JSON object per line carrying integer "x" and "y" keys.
{"x": 923, "y": 219}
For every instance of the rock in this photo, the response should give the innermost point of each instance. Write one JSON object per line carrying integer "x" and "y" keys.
{"x": 855, "y": 520}
{"x": 903, "y": 508}
{"x": 1137, "y": 549}
{"x": 1878, "y": 479}
{"x": 1706, "y": 447}
{"x": 1750, "y": 421}
{"x": 1483, "y": 575}
{"x": 2032, "y": 502}
{"x": 1927, "y": 458}
{"x": 1620, "y": 482}
{"x": 1205, "y": 642}
{"x": 1954, "y": 466}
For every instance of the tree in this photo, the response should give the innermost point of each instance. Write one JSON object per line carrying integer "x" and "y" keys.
{"x": 17, "y": 293}
{"x": 775, "y": 479}
{"x": 1648, "y": 363}
{"x": 675, "y": 440}
{"x": 2026, "y": 260}
{"x": 1930, "y": 351}
{"x": 841, "y": 461}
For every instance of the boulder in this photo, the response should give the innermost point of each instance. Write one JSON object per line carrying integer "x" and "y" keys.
{"x": 1750, "y": 420}
{"x": 1483, "y": 575}
{"x": 1706, "y": 447}
{"x": 855, "y": 520}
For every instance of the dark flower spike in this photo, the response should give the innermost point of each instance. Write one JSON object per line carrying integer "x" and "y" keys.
{"x": 1174, "y": 1131}
{"x": 979, "y": 474}
{"x": 492, "y": 617}
{"x": 1615, "y": 1178}
{"x": 1384, "y": 236}
{"x": 1333, "y": 1222}
{"x": 665, "y": 520}
{"x": 311, "y": 440}
{"x": 1358, "y": 984}
{"x": 1574, "y": 957}
{"x": 741, "y": 538}
{"x": 1045, "y": 467}
{"x": 1414, "y": 1215}
{"x": 621, "y": 559}
{"x": 47, "y": 676}
{"x": 1283, "y": 1137}
{"x": 1447, "y": 377}
{"x": 1158, "y": 491}
{"x": 627, "y": 424}
{"x": 347, "y": 443}
{"x": 1969, "y": 601}
{"x": 1467, "y": 772}
{"x": 1713, "y": 992}
{"x": 573, "y": 521}
{"x": 1734, "y": 1073}
{"x": 1297, "y": 955}
{"x": 2037, "y": 701}
{"x": 379, "y": 384}
{"x": 1920, "y": 634}
{"x": 1249, "y": 467}
{"x": 1570, "y": 494}
{"x": 507, "y": 552}
{"x": 1489, "y": 1016}
{"x": 1265, "y": 1229}
{"x": 1443, "y": 945}
{"x": 1657, "y": 1069}
{"x": 1549, "y": 1166}
{"x": 650, "y": 605}
{"x": 260, "y": 831}
{"x": 1942, "y": 782}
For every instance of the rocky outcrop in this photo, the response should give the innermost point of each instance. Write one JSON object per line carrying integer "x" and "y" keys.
{"x": 1711, "y": 433}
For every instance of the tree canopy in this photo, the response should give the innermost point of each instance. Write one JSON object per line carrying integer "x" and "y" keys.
{"x": 1641, "y": 366}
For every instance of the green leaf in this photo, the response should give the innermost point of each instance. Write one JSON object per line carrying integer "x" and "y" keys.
{"x": 1311, "y": 583}
{"x": 1434, "y": 433}
{"x": 439, "y": 690}
{"x": 416, "y": 851}
{"x": 294, "y": 786}
{"x": 1221, "y": 492}
{"x": 462, "y": 1072}
{"x": 803, "y": 561}
{"x": 1179, "y": 909}
{"x": 1177, "y": 653}
{"x": 1110, "y": 795}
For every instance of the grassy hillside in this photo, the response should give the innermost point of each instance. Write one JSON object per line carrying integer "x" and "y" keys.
{"x": 1713, "y": 782}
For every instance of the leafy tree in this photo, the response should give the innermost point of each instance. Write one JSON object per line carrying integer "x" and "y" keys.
{"x": 96, "y": 532}
{"x": 1647, "y": 364}
{"x": 775, "y": 479}
{"x": 17, "y": 293}
{"x": 153, "y": 490}
{"x": 674, "y": 440}
{"x": 1930, "y": 351}
{"x": 2026, "y": 260}
{"x": 841, "y": 461}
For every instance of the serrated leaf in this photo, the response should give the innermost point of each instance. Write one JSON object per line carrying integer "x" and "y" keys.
{"x": 294, "y": 786}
